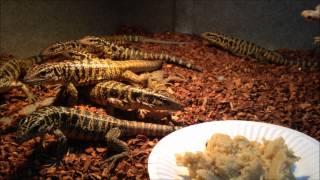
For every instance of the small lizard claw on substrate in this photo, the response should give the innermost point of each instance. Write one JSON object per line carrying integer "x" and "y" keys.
{"x": 112, "y": 160}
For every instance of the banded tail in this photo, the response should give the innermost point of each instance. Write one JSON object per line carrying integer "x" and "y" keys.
{"x": 136, "y": 54}
{"x": 122, "y": 39}
{"x": 115, "y": 51}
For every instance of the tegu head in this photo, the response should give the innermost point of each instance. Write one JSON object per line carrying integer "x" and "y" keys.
{"x": 93, "y": 41}
{"x": 33, "y": 125}
{"x": 47, "y": 73}
{"x": 58, "y": 48}
{"x": 109, "y": 49}
{"x": 216, "y": 39}
{"x": 160, "y": 102}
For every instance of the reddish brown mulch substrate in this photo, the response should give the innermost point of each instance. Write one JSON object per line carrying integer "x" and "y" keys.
{"x": 229, "y": 88}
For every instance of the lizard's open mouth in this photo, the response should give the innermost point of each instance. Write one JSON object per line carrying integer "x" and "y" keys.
{"x": 33, "y": 81}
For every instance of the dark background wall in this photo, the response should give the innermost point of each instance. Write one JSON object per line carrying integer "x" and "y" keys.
{"x": 27, "y": 26}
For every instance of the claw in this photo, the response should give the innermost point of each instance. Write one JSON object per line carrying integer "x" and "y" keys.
{"x": 113, "y": 159}
{"x": 53, "y": 162}
{"x": 142, "y": 113}
{"x": 31, "y": 98}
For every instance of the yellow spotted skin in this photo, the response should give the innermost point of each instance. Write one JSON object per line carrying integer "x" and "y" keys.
{"x": 126, "y": 97}
{"x": 116, "y": 52}
{"x": 12, "y": 70}
{"x": 87, "y": 71}
{"x": 244, "y": 48}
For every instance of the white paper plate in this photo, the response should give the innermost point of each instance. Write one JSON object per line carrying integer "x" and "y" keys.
{"x": 162, "y": 163}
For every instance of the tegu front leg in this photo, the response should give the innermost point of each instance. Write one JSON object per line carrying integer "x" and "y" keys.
{"x": 70, "y": 93}
{"x": 73, "y": 94}
{"x": 25, "y": 88}
{"x": 134, "y": 78}
{"x": 113, "y": 141}
{"x": 62, "y": 146}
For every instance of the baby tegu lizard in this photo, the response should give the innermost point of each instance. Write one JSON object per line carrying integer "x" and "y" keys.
{"x": 128, "y": 97}
{"x": 248, "y": 49}
{"x": 87, "y": 126}
{"x": 117, "y": 52}
{"x": 122, "y": 39}
{"x": 89, "y": 72}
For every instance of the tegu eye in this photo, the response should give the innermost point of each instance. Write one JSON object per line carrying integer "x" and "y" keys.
{"x": 92, "y": 40}
{"x": 43, "y": 73}
{"x": 114, "y": 48}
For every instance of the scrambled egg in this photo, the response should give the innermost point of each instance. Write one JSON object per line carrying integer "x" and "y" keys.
{"x": 240, "y": 159}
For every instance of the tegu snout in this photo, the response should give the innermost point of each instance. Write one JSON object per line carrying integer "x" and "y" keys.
{"x": 161, "y": 102}
{"x": 172, "y": 105}
{"x": 92, "y": 41}
{"x": 52, "y": 50}
{"x": 43, "y": 74}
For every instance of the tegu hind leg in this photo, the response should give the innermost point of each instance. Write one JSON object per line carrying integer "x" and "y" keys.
{"x": 30, "y": 97}
{"x": 134, "y": 78}
{"x": 73, "y": 94}
{"x": 113, "y": 141}
{"x": 60, "y": 150}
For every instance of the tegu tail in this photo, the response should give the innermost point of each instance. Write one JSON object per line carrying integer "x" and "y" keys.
{"x": 130, "y": 53}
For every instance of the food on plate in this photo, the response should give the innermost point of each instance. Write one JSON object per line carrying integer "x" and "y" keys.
{"x": 239, "y": 158}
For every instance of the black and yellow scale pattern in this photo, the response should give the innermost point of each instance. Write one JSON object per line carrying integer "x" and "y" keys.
{"x": 244, "y": 48}
{"x": 88, "y": 72}
{"x": 12, "y": 69}
{"x": 59, "y": 48}
{"x": 126, "y": 97}
{"x": 116, "y": 52}
{"x": 83, "y": 124}
{"x": 70, "y": 123}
